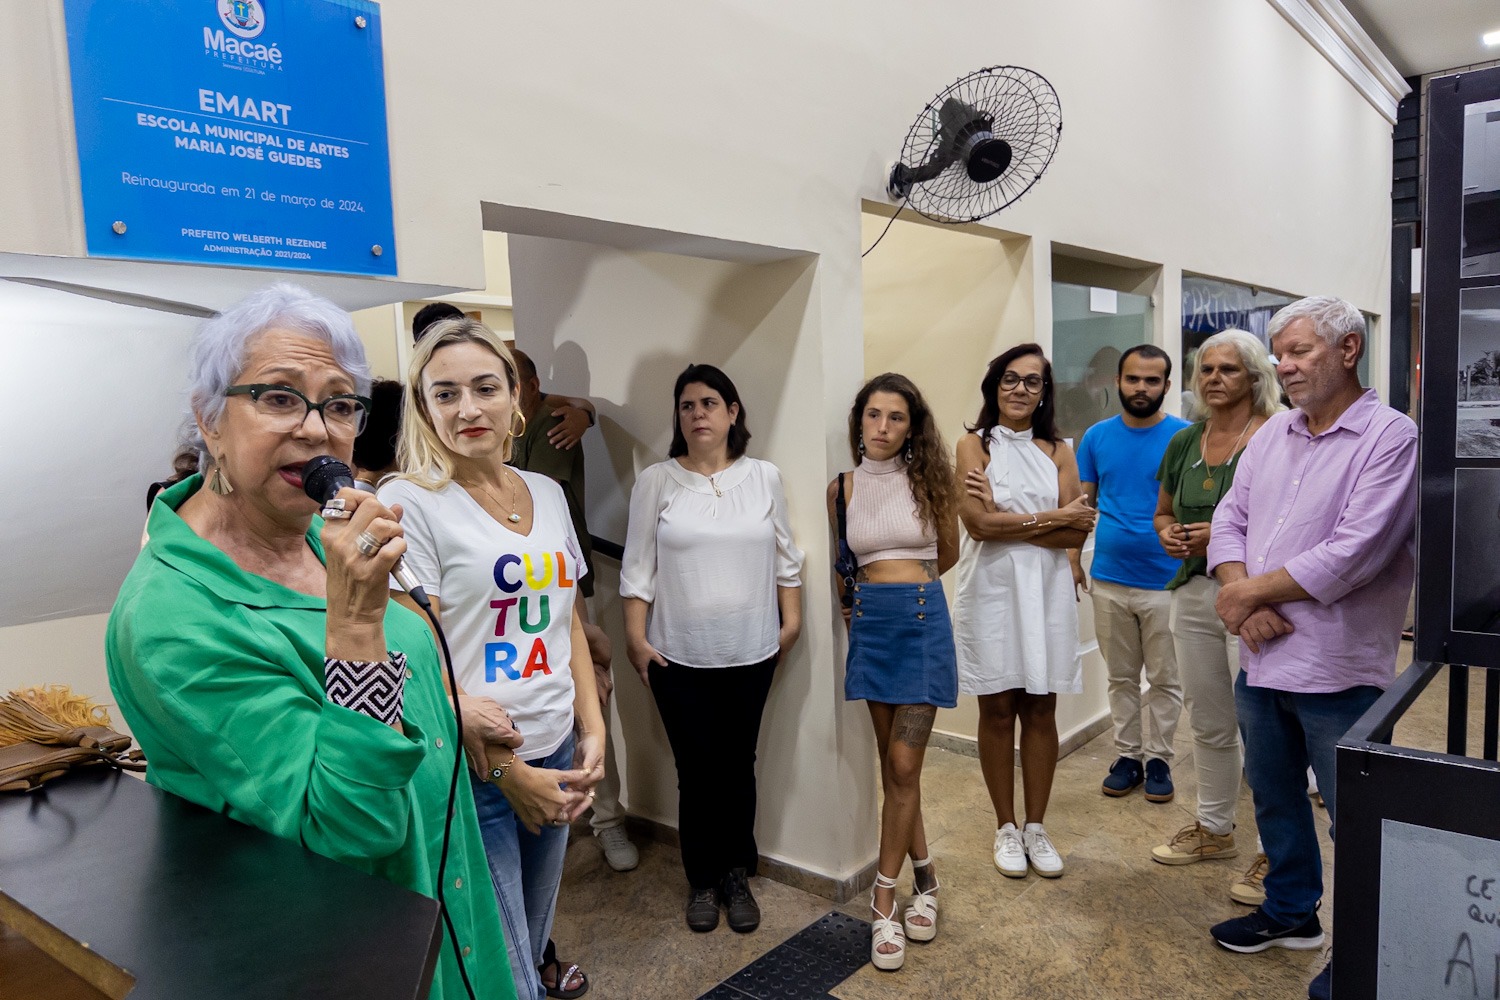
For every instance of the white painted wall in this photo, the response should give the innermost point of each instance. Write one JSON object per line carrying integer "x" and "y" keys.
{"x": 580, "y": 313}
{"x": 1204, "y": 137}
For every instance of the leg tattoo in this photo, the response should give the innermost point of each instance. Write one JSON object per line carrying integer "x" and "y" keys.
{"x": 913, "y": 724}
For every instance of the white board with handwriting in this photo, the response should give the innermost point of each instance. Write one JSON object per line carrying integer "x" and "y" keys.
{"x": 1439, "y": 914}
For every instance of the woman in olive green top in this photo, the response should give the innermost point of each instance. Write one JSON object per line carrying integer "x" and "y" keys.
{"x": 1235, "y": 391}
{"x": 254, "y": 648}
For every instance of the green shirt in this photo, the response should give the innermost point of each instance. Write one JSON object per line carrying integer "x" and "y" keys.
{"x": 219, "y": 673}
{"x": 1183, "y": 474}
{"x": 532, "y": 452}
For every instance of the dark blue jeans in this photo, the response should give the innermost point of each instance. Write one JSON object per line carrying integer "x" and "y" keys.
{"x": 526, "y": 869}
{"x": 1284, "y": 733}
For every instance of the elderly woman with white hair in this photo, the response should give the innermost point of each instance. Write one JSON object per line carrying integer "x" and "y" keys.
{"x": 1235, "y": 391}
{"x": 254, "y": 648}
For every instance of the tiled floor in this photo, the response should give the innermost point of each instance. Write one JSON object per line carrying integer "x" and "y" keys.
{"x": 1116, "y": 926}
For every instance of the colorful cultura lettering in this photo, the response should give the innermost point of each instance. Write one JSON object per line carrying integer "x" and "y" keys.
{"x": 533, "y": 612}
{"x": 549, "y": 560}
{"x": 503, "y": 606}
{"x": 500, "y": 658}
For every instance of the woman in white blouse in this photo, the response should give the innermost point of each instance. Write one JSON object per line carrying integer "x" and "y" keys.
{"x": 711, "y": 581}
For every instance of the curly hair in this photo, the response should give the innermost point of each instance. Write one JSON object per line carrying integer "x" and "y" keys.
{"x": 929, "y": 466}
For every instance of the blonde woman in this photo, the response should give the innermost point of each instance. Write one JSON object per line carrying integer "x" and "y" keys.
{"x": 1235, "y": 389}
{"x": 496, "y": 552}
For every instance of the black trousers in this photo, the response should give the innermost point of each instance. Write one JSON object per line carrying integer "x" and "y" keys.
{"x": 712, "y": 717}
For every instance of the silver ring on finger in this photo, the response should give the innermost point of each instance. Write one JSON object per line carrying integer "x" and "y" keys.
{"x": 337, "y": 503}
{"x": 368, "y": 544}
{"x": 336, "y": 514}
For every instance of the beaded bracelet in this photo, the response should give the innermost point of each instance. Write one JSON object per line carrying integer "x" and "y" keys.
{"x": 374, "y": 688}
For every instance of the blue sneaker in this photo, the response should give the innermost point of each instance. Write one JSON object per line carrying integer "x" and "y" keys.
{"x": 1321, "y": 988}
{"x": 1256, "y": 932}
{"x": 1124, "y": 777}
{"x": 1158, "y": 781}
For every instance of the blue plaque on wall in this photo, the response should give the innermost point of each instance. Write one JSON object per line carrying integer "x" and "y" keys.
{"x": 247, "y": 133}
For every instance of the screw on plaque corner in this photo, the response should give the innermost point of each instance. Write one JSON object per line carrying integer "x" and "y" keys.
{"x": 377, "y": 250}
{"x": 118, "y": 227}
{"x": 359, "y": 21}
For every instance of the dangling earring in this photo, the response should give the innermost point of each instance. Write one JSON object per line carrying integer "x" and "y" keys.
{"x": 861, "y": 444}
{"x": 907, "y": 454}
{"x": 517, "y": 433}
{"x": 218, "y": 483}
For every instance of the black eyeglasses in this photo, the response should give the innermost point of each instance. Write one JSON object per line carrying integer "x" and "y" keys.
{"x": 1010, "y": 380}
{"x": 286, "y": 408}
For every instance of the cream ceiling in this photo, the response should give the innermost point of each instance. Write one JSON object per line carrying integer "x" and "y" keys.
{"x": 1429, "y": 37}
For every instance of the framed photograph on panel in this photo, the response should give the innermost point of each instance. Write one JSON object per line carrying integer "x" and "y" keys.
{"x": 1481, "y": 227}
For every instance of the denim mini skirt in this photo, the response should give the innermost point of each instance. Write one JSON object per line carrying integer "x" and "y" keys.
{"x": 901, "y": 646}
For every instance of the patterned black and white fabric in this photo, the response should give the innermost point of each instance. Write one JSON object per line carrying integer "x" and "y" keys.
{"x": 370, "y": 688}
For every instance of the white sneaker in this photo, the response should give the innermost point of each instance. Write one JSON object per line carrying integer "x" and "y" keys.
{"x": 1010, "y": 855}
{"x": 619, "y": 853}
{"x": 1045, "y": 860}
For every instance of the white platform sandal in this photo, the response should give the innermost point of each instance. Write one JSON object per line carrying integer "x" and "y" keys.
{"x": 885, "y": 930}
{"x": 923, "y": 904}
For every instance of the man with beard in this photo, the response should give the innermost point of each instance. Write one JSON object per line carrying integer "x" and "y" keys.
{"x": 1313, "y": 545}
{"x": 1117, "y": 462}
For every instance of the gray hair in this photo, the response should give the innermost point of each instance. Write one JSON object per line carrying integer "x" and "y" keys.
{"x": 1332, "y": 318}
{"x": 222, "y": 343}
{"x": 1265, "y": 396}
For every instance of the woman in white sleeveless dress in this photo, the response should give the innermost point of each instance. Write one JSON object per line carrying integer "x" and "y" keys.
{"x": 1015, "y": 611}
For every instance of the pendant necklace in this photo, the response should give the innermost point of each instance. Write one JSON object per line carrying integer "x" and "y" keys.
{"x": 513, "y": 517}
{"x": 1208, "y": 481}
{"x": 712, "y": 478}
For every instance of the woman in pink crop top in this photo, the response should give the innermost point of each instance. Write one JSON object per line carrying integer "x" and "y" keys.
{"x": 902, "y": 526}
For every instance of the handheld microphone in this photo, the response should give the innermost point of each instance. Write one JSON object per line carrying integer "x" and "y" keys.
{"x": 322, "y": 478}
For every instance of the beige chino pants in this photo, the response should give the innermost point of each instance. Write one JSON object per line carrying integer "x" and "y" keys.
{"x": 1208, "y": 659}
{"x": 1133, "y": 627}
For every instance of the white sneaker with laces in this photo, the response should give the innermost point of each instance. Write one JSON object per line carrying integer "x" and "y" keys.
{"x": 619, "y": 853}
{"x": 1045, "y": 860}
{"x": 1010, "y": 855}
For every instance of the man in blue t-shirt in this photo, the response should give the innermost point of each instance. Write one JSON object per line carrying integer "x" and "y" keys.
{"x": 1117, "y": 462}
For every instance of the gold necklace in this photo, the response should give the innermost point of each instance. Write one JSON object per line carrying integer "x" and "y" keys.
{"x": 1208, "y": 480}
{"x": 514, "y": 518}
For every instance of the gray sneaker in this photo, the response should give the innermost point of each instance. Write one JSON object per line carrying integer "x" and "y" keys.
{"x": 619, "y": 853}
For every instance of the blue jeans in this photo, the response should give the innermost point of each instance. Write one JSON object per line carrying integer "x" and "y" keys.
{"x": 1284, "y": 733}
{"x": 526, "y": 869}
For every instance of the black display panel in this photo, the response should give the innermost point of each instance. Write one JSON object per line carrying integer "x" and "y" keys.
{"x": 1458, "y": 534}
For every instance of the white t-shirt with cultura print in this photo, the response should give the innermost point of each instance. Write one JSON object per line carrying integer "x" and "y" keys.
{"x": 507, "y": 599}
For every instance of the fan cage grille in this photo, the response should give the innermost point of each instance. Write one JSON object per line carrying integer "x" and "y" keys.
{"x": 1026, "y": 114}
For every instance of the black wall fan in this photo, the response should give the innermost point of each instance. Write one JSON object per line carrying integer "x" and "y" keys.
{"x": 979, "y": 145}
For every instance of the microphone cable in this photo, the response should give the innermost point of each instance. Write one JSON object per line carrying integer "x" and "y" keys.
{"x": 323, "y": 476}
{"x": 458, "y": 760}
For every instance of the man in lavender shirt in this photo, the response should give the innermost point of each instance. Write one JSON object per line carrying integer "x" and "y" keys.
{"x": 1314, "y": 547}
